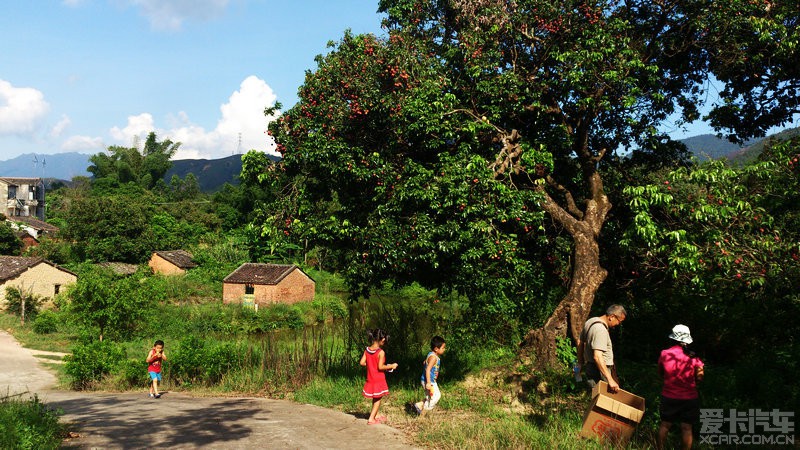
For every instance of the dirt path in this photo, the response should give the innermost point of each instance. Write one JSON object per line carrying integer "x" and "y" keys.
{"x": 178, "y": 421}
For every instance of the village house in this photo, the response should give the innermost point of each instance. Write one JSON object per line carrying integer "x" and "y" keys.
{"x": 27, "y": 238}
{"x": 171, "y": 262}
{"x": 264, "y": 284}
{"x": 24, "y": 197}
{"x": 35, "y": 276}
{"x": 29, "y": 229}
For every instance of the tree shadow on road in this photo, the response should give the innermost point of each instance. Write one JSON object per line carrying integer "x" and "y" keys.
{"x": 141, "y": 422}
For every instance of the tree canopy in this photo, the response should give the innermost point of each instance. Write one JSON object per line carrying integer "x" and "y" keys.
{"x": 129, "y": 164}
{"x": 435, "y": 154}
{"x": 10, "y": 244}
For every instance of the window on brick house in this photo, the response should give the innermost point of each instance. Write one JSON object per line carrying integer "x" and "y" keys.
{"x": 249, "y": 289}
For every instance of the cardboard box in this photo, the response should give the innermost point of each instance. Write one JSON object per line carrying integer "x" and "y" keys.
{"x": 612, "y": 416}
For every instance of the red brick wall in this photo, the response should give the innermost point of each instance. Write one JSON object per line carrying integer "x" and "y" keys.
{"x": 232, "y": 293}
{"x": 28, "y": 241}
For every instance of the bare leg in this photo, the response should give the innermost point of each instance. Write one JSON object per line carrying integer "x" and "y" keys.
{"x": 154, "y": 387}
{"x": 376, "y": 404}
{"x": 662, "y": 433}
{"x": 686, "y": 435}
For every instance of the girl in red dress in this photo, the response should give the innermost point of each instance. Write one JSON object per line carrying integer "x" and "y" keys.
{"x": 374, "y": 359}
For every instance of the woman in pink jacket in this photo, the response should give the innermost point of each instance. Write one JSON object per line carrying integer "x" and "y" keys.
{"x": 681, "y": 370}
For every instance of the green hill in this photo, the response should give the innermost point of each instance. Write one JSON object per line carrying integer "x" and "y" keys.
{"x": 709, "y": 146}
{"x": 749, "y": 154}
{"x": 211, "y": 173}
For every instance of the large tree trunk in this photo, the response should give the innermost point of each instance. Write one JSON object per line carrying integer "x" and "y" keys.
{"x": 587, "y": 274}
{"x": 583, "y": 225}
{"x": 572, "y": 311}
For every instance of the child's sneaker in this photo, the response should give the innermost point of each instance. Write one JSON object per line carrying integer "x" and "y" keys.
{"x": 418, "y": 407}
{"x": 158, "y": 395}
{"x": 152, "y": 396}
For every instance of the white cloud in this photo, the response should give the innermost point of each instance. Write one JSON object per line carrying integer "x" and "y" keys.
{"x": 62, "y": 125}
{"x": 244, "y": 113}
{"x": 242, "y": 117}
{"x": 83, "y": 143}
{"x": 21, "y": 109}
{"x": 139, "y": 125}
{"x": 170, "y": 14}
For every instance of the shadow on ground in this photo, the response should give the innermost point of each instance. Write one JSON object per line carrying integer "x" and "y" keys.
{"x": 161, "y": 421}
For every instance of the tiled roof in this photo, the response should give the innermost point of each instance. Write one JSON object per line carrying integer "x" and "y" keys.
{"x": 35, "y": 223}
{"x": 180, "y": 258}
{"x": 19, "y": 180}
{"x": 258, "y": 273}
{"x": 120, "y": 268}
{"x": 13, "y": 266}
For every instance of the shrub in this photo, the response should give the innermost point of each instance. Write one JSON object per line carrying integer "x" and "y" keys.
{"x": 133, "y": 373}
{"x": 186, "y": 362}
{"x": 89, "y": 363}
{"x": 280, "y": 316}
{"x": 329, "y": 306}
{"x": 28, "y": 425}
{"x": 15, "y": 298}
{"x": 196, "y": 361}
{"x": 45, "y": 323}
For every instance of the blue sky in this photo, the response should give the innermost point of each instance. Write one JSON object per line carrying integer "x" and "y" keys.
{"x": 80, "y": 75}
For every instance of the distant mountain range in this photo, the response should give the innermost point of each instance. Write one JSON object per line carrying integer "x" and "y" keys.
{"x": 709, "y": 146}
{"x": 213, "y": 173}
{"x": 63, "y": 166}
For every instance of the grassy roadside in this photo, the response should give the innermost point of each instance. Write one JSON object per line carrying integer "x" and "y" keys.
{"x": 486, "y": 410}
{"x": 489, "y": 399}
{"x": 60, "y": 341}
{"x": 29, "y": 424}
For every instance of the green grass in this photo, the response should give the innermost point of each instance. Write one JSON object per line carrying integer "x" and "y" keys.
{"x": 490, "y": 398}
{"x": 60, "y": 341}
{"x": 28, "y": 424}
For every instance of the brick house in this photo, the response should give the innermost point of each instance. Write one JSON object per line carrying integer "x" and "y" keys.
{"x": 171, "y": 262}
{"x": 33, "y": 275}
{"x": 267, "y": 284}
{"x": 23, "y": 197}
{"x": 28, "y": 239}
{"x": 35, "y": 227}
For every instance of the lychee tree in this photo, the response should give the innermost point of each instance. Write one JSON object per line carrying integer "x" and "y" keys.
{"x": 435, "y": 154}
{"x": 717, "y": 247}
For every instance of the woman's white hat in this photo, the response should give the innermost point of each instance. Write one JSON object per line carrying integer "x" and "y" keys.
{"x": 681, "y": 333}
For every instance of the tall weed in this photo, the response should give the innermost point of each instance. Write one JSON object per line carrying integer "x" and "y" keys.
{"x": 29, "y": 425}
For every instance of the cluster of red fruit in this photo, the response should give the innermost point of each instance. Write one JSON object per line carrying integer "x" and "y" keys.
{"x": 550, "y": 26}
{"x": 593, "y": 15}
{"x": 793, "y": 164}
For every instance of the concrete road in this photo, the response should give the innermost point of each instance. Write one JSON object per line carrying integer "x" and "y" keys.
{"x": 179, "y": 421}
{"x": 19, "y": 370}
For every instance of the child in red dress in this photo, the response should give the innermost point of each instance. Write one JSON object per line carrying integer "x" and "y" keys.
{"x": 374, "y": 359}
